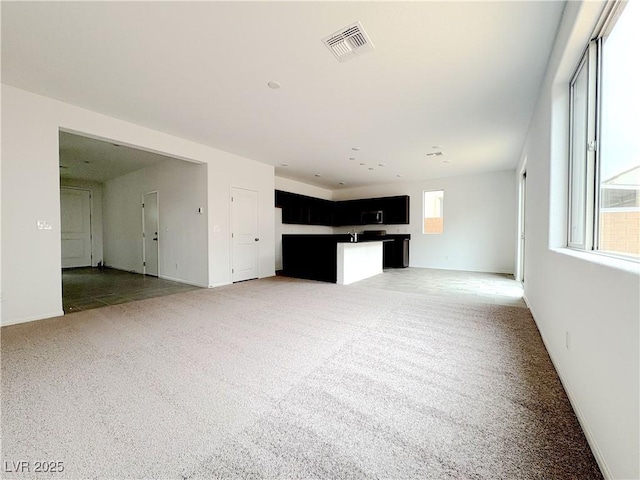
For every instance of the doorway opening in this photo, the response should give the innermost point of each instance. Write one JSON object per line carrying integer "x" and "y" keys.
{"x": 522, "y": 223}
{"x": 151, "y": 245}
{"x": 112, "y": 249}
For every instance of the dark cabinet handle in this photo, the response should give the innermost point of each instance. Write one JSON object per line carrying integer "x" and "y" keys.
{"x": 257, "y": 239}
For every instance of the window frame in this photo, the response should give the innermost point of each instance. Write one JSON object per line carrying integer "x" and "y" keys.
{"x": 591, "y": 59}
{"x": 581, "y": 243}
{"x": 424, "y": 192}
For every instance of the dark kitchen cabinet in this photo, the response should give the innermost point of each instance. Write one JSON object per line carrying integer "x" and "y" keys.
{"x": 396, "y": 210}
{"x": 396, "y": 253}
{"x": 304, "y": 210}
{"x": 346, "y": 213}
{"x": 295, "y": 209}
{"x": 311, "y": 256}
{"x": 320, "y": 212}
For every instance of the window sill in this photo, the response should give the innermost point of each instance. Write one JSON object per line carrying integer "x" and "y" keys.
{"x": 629, "y": 266}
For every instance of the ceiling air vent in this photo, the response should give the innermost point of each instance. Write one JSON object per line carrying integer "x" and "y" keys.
{"x": 348, "y": 42}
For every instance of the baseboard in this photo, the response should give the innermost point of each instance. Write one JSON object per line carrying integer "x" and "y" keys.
{"x": 178, "y": 280}
{"x": 58, "y": 313}
{"x": 216, "y": 285}
{"x": 498, "y": 271}
{"x": 593, "y": 444}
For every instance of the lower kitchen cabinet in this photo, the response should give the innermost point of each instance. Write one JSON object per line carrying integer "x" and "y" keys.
{"x": 396, "y": 253}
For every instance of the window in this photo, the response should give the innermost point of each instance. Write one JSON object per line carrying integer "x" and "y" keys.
{"x": 579, "y": 153}
{"x": 433, "y": 205}
{"x": 604, "y": 156}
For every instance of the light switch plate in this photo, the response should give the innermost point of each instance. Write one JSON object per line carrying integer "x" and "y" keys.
{"x": 43, "y": 225}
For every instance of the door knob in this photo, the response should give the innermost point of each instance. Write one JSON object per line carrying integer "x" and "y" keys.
{"x": 155, "y": 239}
{"x": 257, "y": 239}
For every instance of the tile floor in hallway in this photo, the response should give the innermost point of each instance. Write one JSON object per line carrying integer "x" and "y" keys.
{"x": 87, "y": 288}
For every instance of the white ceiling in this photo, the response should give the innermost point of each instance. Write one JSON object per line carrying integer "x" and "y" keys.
{"x": 463, "y": 75}
{"x": 84, "y": 158}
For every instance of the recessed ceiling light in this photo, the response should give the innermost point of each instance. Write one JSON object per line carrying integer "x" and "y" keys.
{"x": 370, "y": 168}
{"x": 399, "y": 176}
{"x": 355, "y": 149}
{"x": 434, "y": 154}
{"x": 273, "y": 85}
{"x": 318, "y": 175}
{"x": 362, "y": 163}
{"x": 352, "y": 158}
{"x": 284, "y": 164}
{"x": 446, "y": 161}
{"x": 341, "y": 183}
{"x": 382, "y": 164}
{"x": 437, "y": 147}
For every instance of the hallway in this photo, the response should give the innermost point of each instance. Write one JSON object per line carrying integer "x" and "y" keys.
{"x": 88, "y": 288}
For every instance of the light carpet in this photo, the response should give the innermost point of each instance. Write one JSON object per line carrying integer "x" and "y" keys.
{"x": 282, "y": 378}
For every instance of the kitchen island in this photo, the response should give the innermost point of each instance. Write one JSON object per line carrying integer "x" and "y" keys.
{"x": 331, "y": 258}
{"x": 357, "y": 261}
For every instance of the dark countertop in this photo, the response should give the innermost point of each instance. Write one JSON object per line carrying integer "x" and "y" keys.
{"x": 346, "y": 238}
{"x": 367, "y": 240}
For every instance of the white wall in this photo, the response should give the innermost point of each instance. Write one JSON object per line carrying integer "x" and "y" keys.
{"x": 479, "y": 221}
{"x": 595, "y": 299}
{"x": 1, "y": 221}
{"x": 293, "y": 186}
{"x": 97, "y": 254}
{"x": 31, "y": 269}
{"x": 182, "y": 189}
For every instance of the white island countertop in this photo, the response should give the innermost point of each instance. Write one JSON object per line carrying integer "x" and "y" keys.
{"x": 357, "y": 261}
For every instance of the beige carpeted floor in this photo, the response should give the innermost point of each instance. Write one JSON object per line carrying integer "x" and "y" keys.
{"x": 417, "y": 375}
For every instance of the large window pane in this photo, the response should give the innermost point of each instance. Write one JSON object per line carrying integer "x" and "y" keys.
{"x": 578, "y": 171}
{"x": 619, "y": 206}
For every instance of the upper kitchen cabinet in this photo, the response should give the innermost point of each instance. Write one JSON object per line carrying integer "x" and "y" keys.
{"x": 300, "y": 209}
{"x": 321, "y": 212}
{"x": 294, "y": 207}
{"x": 304, "y": 210}
{"x": 372, "y": 211}
{"x": 346, "y": 213}
{"x": 396, "y": 210}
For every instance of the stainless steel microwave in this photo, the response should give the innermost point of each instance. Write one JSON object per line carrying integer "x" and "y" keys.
{"x": 369, "y": 218}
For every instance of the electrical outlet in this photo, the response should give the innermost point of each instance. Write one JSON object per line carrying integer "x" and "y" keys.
{"x": 566, "y": 339}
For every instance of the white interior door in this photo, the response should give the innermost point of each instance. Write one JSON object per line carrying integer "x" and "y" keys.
{"x": 244, "y": 234}
{"x": 150, "y": 233}
{"x": 75, "y": 226}
{"x": 522, "y": 226}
